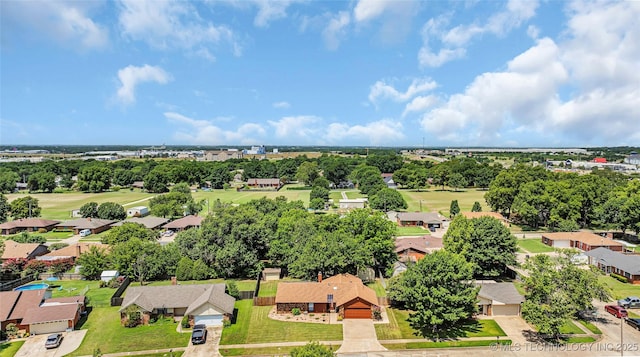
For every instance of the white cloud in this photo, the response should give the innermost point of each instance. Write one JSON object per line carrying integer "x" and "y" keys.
{"x": 298, "y": 129}
{"x": 367, "y": 10}
{"x": 205, "y": 132}
{"x": 420, "y": 104}
{"x": 282, "y": 105}
{"x": 131, "y": 76}
{"x": 66, "y": 22}
{"x": 170, "y": 25}
{"x": 584, "y": 87}
{"x": 454, "y": 40}
{"x": 336, "y": 29}
{"x": 382, "y": 132}
{"x": 382, "y": 90}
{"x": 270, "y": 10}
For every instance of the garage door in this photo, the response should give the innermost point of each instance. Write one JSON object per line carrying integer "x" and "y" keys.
{"x": 209, "y": 320}
{"x": 357, "y": 313}
{"x": 48, "y": 327}
{"x": 506, "y": 310}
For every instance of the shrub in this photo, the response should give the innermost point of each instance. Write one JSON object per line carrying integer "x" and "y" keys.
{"x": 232, "y": 289}
{"x": 295, "y": 311}
{"x": 377, "y": 314}
{"x": 11, "y": 330}
{"x": 42, "y": 230}
{"x": 340, "y": 317}
{"x": 59, "y": 245}
{"x": 185, "y": 321}
{"x": 619, "y": 278}
{"x": 226, "y": 323}
{"x": 114, "y": 283}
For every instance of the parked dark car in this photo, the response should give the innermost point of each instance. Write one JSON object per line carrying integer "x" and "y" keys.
{"x": 635, "y": 323}
{"x": 53, "y": 341}
{"x": 199, "y": 334}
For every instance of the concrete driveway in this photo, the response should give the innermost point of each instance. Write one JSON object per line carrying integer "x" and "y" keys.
{"x": 359, "y": 335}
{"x": 34, "y": 345}
{"x": 207, "y": 349}
{"x": 515, "y": 327}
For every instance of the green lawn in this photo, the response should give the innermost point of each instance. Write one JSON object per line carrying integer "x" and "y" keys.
{"x": 254, "y": 326}
{"x": 378, "y": 288}
{"x": 436, "y": 200}
{"x": 234, "y": 196}
{"x": 11, "y": 348}
{"x": 269, "y": 351}
{"x": 593, "y": 328}
{"x": 268, "y": 288}
{"x": 399, "y": 328}
{"x": 619, "y": 289}
{"x": 534, "y": 245}
{"x": 581, "y": 339}
{"x": 59, "y": 205}
{"x": 444, "y": 344}
{"x": 411, "y": 231}
{"x": 106, "y": 333}
{"x": 570, "y": 329}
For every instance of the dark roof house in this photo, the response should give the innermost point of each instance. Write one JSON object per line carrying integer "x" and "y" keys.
{"x": 499, "y": 299}
{"x": 27, "y": 224}
{"x": 95, "y": 225}
{"x": 627, "y": 265}
{"x": 150, "y": 222}
{"x": 184, "y": 223}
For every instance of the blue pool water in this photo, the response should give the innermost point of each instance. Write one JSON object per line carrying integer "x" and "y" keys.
{"x": 32, "y": 287}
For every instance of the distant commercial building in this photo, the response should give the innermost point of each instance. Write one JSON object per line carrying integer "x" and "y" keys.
{"x": 222, "y": 155}
{"x": 256, "y": 150}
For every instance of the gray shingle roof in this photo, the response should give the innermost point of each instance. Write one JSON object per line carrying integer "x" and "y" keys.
{"x": 150, "y": 222}
{"x": 505, "y": 293}
{"x": 178, "y": 296}
{"x": 625, "y": 262}
{"x": 86, "y": 223}
{"x": 429, "y": 217}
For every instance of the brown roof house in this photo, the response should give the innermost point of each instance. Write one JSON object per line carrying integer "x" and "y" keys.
{"x": 37, "y": 313}
{"x": 496, "y": 215}
{"x": 343, "y": 293}
{"x": 430, "y": 220}
{"x": 264, "y": 183}
{"x": 498, "y": 299}
{"x": 14, "y": 250}
{"x": 27, "y": 224}
{"x": 580, "y": 240}
{"x": 206, "y": 304}
{"x": 95, "y": 225}
{"x": 184, "y": 223}
{"x": 412, "y": 249}
{"x": 72, "y": 251}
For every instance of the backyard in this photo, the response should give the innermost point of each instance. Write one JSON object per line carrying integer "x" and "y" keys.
{"x": 534, "y": 245}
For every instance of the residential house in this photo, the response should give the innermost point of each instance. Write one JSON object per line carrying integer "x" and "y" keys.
{"x": 498, "y": 299}
{"x": 430, "y": 220}
{"x": 95, "y": 225}
{"x": 627, "y": 265}
{"x": 585, "y": 241}
{"x": 343, "y": 293}
{"x": 206, "y": 304}
{"x": 28, "y": 225}
{"x": 15, "y": 250}
{"x": 184, "y": 223}
{"x": 412, "y": 249}
{"x": 37, "y": 313}
{"x": 388, "y": 180}
{"x": 496, "y": 215}
{"x": 138, "y": 211}
{"x": 72, "y": 251}
{"x": 138, "y": 184}
{"x": 150, "y": 222}
{"x": 264, "y": 183}
{"x": 353, "y": 203}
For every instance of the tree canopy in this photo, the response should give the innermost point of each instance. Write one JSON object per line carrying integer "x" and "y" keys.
{"x": 387, "y": 199}
{"x": 25, "y": 207}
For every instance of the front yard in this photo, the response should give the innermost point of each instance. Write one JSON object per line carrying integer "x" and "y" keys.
{"x": 254, "y": 326}
{"x": 9, "y": 349}
{"x": 534, "y": 245}
{"x": 399, "y": 328}
{"x": 619, "y": 289}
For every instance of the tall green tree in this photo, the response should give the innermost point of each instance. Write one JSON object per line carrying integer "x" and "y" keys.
{"x": 388, "y": 199}
{"x": 368, "y": 179}
{"x": 128, "y": 231}
{"x": 96, "y": 178}
{"x": 184, "y": 269}
{"x": 483, "y": 241}
{"x": 42, "y": 181}
{"x": 476, "y": 207}
{"x": 307, "y": 172}
{"x": 157, "y": 180}
{"x": 89, "y": 210}
{"x": 5, "y": 208}
{"x": 439, "y": 290}
{"x": 112, "y": 211}
{"x": 25, "y": 207}
{"x": 8, "y": 180}
{"x": 457, "y": 181}
{"x": 454, "y": 208}
{"x": 556, "y": 290}
{"x": 93, "y": 262}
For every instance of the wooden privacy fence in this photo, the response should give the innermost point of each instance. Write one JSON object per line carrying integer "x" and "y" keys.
{"x": 116, "y": 298}
{"x": 246, "y": 294}
{"x": 264, "y": 300}
{"x": 383, "y": 301}
{"x": 8, "y": 285}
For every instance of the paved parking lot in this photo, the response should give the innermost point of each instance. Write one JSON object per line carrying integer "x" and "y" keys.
{"x": 34, "y": 345}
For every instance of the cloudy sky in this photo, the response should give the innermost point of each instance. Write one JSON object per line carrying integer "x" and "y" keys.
{"x": 289, "y": 72}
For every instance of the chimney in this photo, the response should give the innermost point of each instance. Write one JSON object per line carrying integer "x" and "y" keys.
{"x": 174, "y": 280}
{"x": 319, "y": 277}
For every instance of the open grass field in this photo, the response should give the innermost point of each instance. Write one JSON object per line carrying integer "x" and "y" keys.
{"x": 9, "y": 349}
{"x": 59, "y": 205}
{"x": 234, "y": 196}
{"x": 619, "y": 289}
{"x": 254, "y": 326}
{"x": 399, "y": 328}
{"x": 436, "y": 200}
{"x": 534, "y": 245}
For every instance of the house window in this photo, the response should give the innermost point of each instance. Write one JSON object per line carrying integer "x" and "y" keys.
{"x": 311, "y": 307}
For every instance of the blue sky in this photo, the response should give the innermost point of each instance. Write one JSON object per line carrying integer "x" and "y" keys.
{"x": 370, "y": 73}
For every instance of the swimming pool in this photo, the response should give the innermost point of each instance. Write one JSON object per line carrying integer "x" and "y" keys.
{"x": 32, "y": 287}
